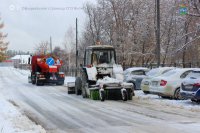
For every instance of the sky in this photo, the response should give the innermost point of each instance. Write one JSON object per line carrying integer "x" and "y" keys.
{"x": 28, "y": 22}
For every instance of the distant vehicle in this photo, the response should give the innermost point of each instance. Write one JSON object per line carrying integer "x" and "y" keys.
{"x": 46, "y": 69}
{"x": 151, "y": 74}
{"x": 190, "y": 87}
{"x": 135, "y": 75}
{"x": 168, "y": 84}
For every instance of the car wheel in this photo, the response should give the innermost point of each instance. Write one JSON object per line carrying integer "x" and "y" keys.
{"x": 177, "y": 94}
{"x": 193, "y": 100}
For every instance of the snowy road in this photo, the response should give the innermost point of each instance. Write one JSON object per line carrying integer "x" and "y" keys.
{"x": 56, "y": 111}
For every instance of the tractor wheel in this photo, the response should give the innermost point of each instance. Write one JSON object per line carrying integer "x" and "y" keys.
{"x": 124, "y": 95}
{"x": 130, "y": 95}
{"x": 133, "y": 88}
{"x": 84, "y": 85}
{"x": 78, "y": 86}
{"x": 102, "y": 95}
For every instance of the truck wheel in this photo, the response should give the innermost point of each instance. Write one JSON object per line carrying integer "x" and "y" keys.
{"x": 33, "y": 82}
{"x": 102, "y": 95}
{"x": 84, "y": 83}
{"x": 78, "y": 84}
{"x": 124, "y": 95}
{"x": 37, "y": 82}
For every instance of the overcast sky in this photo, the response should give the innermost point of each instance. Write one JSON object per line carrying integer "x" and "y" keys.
{"x": 29, "y": 22}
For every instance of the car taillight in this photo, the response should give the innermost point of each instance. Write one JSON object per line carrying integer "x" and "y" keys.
{"x": 196, "y": 84}
{"x": 62, "y": 75}
{"x": 89, "y": 66}
{"x": 163, "y": 83}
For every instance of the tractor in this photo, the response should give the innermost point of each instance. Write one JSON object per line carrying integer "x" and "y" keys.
{"x": 101, "y": 78}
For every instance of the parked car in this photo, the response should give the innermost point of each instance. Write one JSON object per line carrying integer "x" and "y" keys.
{"x": 168, "y": 84}
{"x": 151, "y": 74}
{"x": 190, "y": 87}
{"x": 135, "y": 75}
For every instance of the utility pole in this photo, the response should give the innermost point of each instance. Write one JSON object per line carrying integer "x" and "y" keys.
{"x": 76, "y": 46}
{"x": 157, "y": 3}
{"x": 51, "y": 46}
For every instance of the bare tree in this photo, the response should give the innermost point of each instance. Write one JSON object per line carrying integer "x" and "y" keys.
{"x": 130, "y": 27}
{"x": 42, "y": 48}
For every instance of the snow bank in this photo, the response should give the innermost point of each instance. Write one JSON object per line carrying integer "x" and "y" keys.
{"x": 11, "y": 120}
{"x": 184, "y": 104}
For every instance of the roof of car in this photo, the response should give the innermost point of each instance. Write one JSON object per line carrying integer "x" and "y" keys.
{"x": 136, "y": 68}
{"x": 183, "y": 69}
{"x": 163, "y": 68}
{"x": 196, "y": 69}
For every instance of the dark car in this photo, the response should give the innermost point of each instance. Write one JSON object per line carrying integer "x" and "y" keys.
{"x": 190, "y": 87}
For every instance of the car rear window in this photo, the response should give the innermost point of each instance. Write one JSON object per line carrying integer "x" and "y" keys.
{"x": 152, "y": 72}
{"x": 195, "y": 74}
{"x": 169, "y": 73}
{"x": 138, "y": 72}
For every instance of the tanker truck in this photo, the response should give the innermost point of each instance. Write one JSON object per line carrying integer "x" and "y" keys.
{"x": 45, "y": 69}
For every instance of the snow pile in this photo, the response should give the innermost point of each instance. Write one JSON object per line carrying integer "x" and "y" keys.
{"x": 23, "y": 58}
{"x": 108, "y": 80}
{"x": 11, "y": 120}
{"x": 69, "y": 79}
{"x": 118, "y": 72}
{"x": 92, "y": 72}
{"x": 184, "y": 104}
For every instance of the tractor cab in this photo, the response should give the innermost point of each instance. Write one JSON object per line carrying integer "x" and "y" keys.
{"x": 99, "y": 54}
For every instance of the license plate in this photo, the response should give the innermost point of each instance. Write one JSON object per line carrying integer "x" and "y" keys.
{"x": 189, "y": 87}
{"x": 146, "y": 83}
{"x": 154, "y": 83}
{"x": 53, "y": 78}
